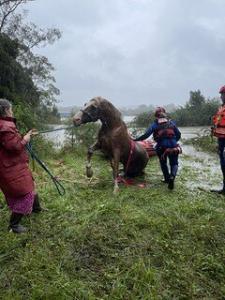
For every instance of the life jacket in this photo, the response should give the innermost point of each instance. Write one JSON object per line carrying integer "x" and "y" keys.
{"x": 165, "y": 129}
{"x": 219, "y": 123}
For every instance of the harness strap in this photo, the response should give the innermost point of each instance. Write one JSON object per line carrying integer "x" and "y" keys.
{"x": 86, "y": 113}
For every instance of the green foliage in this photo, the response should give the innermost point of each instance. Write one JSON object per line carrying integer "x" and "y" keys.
{"x": 84, "y": 135}
{"x": 15, "y": 81}
{"x": 197, "y": 111}
{"x": 26, "y": 78}
{"x": 142, "y": 244}
{"x": 17, "y": 85}
{"x": 205, "y": 143}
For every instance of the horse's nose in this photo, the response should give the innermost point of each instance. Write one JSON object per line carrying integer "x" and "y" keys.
{"x": 76, "y": 121}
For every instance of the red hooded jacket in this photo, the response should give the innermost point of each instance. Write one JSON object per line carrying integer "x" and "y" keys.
{"x": 15, "y": 176}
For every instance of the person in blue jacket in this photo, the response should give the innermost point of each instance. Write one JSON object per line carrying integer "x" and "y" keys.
{"x": 166, "y": 134}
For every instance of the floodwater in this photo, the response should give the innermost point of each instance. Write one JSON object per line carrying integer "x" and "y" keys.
{"x": 57, "y": 137}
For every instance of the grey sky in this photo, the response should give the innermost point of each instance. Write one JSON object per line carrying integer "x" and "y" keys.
{"x": 135, "y": 51}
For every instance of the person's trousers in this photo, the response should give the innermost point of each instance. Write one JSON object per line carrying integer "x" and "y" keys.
{"x": 221, "y": 149}
{"x": 173, "y": 162}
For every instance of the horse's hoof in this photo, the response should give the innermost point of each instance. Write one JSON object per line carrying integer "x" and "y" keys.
{"x": 89, "y": 172}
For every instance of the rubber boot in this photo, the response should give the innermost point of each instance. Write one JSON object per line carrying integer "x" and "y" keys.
{"x": 165, "y": 180}
{"x": 14, "y": 225}
{"x": 36, "y": 205}
{"x": 171, "y": 183}
{"x": 173, "y": 174}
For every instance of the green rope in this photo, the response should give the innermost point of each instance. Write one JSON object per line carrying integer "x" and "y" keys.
{"x": 60, "y": 188}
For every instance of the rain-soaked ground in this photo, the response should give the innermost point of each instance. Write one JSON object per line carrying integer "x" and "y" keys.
{"x": 203, "y": 168}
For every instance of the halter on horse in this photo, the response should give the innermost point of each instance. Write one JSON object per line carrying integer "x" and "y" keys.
{"x": 113, "y": 139}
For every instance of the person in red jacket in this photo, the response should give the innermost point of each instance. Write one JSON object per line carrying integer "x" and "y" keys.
{"x": 16, "y": 181}
{"x": 219, "y": 131}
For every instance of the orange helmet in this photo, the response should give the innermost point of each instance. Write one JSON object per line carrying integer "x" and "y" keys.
{"x": 159, "y": 110}
{"x": 222, "y": 90}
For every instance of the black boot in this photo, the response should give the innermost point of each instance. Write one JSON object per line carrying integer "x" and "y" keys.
{"x": 171, "y": 182}
{"x": 36, "y": 205}
{"x": 165, "y": 180}
{"x": 14, "y": 225}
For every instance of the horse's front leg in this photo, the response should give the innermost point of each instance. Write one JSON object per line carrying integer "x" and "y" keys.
{"x": 115, "y": 166}
{"x": 91, "y": 149}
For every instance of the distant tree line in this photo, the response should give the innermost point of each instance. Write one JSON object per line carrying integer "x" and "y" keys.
{"x": 26, "y": 78}
{"x": 128, "y": 111}
{"x": 197, "y": 111}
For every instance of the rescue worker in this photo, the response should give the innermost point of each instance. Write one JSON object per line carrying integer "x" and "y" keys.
{"x": 16, "y": 181}
{"x": 219, "y": 131}
{"x": 166, "y": 134}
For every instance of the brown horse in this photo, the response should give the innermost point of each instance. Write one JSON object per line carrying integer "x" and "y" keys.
{"x": 113, "y": 139}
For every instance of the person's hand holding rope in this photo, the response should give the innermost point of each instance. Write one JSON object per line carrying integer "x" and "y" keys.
{"x": 29, "y": 134}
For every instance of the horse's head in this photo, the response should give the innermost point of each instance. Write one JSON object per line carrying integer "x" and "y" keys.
{"x": 90, "y": 113}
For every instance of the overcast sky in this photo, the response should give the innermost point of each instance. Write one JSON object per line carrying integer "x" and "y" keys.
{"x": 134, "y": 51}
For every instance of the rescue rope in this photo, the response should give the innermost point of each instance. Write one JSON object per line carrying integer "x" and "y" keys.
{"x": 60, "y": 188}
{"x": 57, "y": 129}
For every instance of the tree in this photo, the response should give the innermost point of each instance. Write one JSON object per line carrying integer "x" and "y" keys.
{"x": 16, "y": 84}
{"x": 7, "y": 8}
{"x": 26, "y": 78}
{"x": 196, "y": 100}
{"x": 29, "y": 36}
